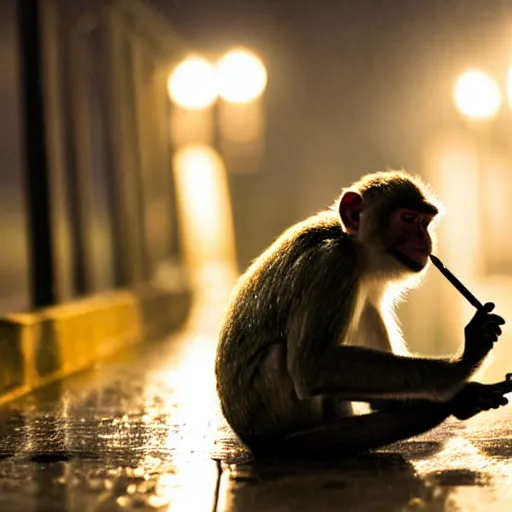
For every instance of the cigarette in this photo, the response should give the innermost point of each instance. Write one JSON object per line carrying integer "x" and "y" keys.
{"x": 458, "y": 285}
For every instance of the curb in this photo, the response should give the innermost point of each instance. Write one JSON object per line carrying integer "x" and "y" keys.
{"x": 40, "y": 347}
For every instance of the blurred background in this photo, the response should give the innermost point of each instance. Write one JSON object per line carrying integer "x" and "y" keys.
{"x": 355, "y": 87}
{"x": 138, "y": 135}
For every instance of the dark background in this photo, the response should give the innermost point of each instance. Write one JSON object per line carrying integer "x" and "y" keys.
{"x": 354, "y": 87}
{"x": 14, "y": 285}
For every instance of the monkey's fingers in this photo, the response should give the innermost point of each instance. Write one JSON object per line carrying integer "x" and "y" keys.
{"x": 497, "y": 329}
{"x": 488, "y": 307}
{"x": 489, "y": 335}
{"x": 492, "y": 326}
{"x": 487, "y": 317}
{"x": 498, "y": 402}
{"x": 489, "y": 399}
{"x": 500, "y": 388}
{"x": 482, "y": 312}
{"x": 499, "y": 319}
{"x": 486, "y": 403}
{"x": 493, "y": 320}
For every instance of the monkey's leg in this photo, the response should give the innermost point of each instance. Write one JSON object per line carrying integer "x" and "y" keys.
{"x": 356, "y": 434}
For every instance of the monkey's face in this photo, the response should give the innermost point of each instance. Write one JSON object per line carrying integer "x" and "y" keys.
{"x": 408, "y": 238}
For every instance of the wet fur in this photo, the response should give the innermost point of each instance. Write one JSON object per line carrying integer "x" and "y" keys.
{"x": 314, "y": 289}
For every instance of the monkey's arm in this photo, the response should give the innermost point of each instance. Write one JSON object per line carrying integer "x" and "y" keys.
{"x": 318, "y": 321}
{"x": 359, "y": 374}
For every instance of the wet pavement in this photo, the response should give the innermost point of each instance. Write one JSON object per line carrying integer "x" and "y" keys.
{"x": 143, "y": 432}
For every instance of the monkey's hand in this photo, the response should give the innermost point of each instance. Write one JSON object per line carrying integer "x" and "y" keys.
{"x": 480, "y": 335}
{"x": 475, "y": 397}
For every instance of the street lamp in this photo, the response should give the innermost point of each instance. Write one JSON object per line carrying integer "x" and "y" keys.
{"x": 477, "y": 95}
{"x": 241, "y": 76}
{"x": 241, "y": 81}
{"x": 192, "y": 85}
{"x": 478, "y": 98}
{"x": 192, "y": 88}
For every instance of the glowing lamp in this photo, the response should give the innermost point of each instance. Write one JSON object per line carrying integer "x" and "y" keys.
{"x": 192, "y": 85}
{"x": 477, "y": 95}
{"x": 241, "y": 76}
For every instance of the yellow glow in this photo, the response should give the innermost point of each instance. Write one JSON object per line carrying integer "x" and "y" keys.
{"x": 477, "y": 95}
{"x": 241, "y": 76}
{"x": 509, "y": 86}
{"x": 241, "y": 123}
{"x": 192, "y": 84}
{"x": 205, "y": 215}
{"x": 193, "y": 488}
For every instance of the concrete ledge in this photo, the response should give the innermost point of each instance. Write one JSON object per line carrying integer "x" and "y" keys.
{"x": 40, "y": 347}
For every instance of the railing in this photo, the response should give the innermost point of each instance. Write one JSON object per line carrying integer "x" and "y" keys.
{"x": 100, "y": 201}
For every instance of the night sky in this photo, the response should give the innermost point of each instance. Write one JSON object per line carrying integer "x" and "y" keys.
{"x": 354, "y": 87}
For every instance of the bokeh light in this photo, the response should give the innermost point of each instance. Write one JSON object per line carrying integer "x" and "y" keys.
{"x": 509, "y": 87}
{"x": 477, "y": 95}
{"x": 192, "y": 85}
{"x": 241, "y": 75}
{"x": 206, "y": 219}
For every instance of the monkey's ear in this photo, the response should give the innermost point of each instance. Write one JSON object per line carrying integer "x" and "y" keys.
{"x": 350, "y": 208}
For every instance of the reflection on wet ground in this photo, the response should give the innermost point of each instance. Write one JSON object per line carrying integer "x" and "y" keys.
{"x": 143, "y": 432}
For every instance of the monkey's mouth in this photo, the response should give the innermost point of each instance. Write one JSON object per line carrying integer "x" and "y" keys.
{"x": 416, "y": 264}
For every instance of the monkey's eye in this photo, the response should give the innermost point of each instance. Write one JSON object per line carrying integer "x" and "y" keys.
{"x": 408, "y": 218}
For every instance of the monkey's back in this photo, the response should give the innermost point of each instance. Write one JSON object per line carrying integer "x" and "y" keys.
{"x": 257, "y": 316}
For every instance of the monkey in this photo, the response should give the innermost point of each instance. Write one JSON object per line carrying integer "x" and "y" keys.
{"x": 310, "y": 328}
